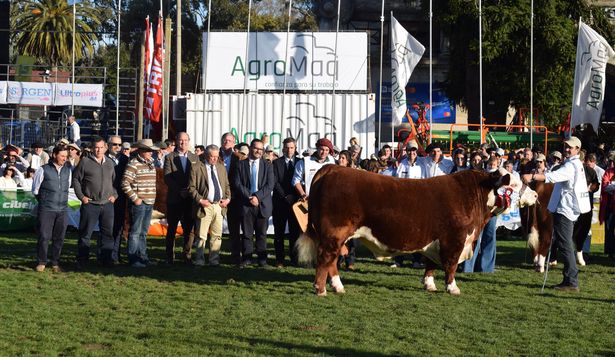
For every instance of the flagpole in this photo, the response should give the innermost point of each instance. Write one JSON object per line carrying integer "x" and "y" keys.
{"x": 575, "y": 81}
{"x": 480, "y": 67}
{"x": 532, "y": 75}
{"x": 245, "y": 77}
{"x": 404, "y": 88}
{"x": 290, "y": 6}
{"x": 206, "y": 102}
{"x": 337, "y": 29}
{"x": 380, "y": 86}
{"x": 430, "y": 70}
{"x": 72, "y": 86}
{"x": 117, "y": 75}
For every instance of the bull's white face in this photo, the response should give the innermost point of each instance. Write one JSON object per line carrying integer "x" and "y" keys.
{"x": 528, "y": 197}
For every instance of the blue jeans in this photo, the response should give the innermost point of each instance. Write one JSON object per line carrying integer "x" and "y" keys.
{"x": 483, "y": 259}
{"x": 140, "y": 221}
{"x": 562, "y": 235}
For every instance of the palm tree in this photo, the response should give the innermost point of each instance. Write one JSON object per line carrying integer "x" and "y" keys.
{"x": 43, "y": 29}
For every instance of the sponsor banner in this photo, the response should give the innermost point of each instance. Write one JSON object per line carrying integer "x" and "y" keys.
{"x": 593, "y": 53}
{"x": 32, "y": 93}
{"x": 3, "y": 88}
{"x": 86, "y": 95}
{"x": 310, "y": 65}
{"x": 406, "y": 52}
{"x": 17, "y": 210}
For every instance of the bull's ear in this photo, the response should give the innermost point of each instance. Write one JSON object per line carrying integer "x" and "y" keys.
{"x": 503, "y": 181}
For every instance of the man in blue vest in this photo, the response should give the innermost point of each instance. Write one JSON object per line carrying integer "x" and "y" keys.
{"x": 50, "y": 186}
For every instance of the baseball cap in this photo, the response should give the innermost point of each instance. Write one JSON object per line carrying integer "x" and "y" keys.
{"x": 557, "y": 154}
{"x": 573, "y": 142}
{"x": 412, "y": 145}
{"x": 541, "y": 157}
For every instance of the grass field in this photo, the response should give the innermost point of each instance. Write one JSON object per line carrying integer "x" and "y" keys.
{"x": 180, "y": 310}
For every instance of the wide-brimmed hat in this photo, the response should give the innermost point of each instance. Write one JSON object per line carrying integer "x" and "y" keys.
{"x": 63, "y": 141}
{"x": 74, "y": 146}
{"x": 145, "y": 144}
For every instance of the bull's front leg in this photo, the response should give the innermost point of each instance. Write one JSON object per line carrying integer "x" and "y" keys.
{"x": 449, "y": 264}
{"x": 336, "y": 282}
{"x": 429, "y": 282}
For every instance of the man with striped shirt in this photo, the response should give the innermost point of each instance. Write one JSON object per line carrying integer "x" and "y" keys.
{"x": 139, "y": 185}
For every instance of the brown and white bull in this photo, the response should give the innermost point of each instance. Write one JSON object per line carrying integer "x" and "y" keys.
{"x": 440, "y": 217}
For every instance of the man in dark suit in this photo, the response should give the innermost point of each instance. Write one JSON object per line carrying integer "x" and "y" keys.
{"x": 119, "y": 206}
{"x": 284, "y": 195}
{"x": 254, "y": 181}
{"x": 177, "y": 167}
{"x": 210, "y": 192}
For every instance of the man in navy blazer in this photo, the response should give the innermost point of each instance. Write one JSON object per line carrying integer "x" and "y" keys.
{"x": 284, "y": 196}
{"x": 254, "y": 182}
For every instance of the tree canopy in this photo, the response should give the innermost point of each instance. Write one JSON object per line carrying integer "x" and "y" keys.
{"x": 43, "y": 29}
{"x": 506, "y": 53}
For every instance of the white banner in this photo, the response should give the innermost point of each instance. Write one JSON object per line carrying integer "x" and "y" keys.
{"x": 310, "y": 66}
{"x": 406, "y": 52}
{"x": 32, "y": 93}
{"x": 86, "y": 95}
{"x": 3, "y": 92}
{"x": 593, "y": 52}
{"x": 35, "y": 93}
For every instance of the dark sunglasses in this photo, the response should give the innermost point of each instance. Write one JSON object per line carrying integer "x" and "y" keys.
{"x": 116, "y": 144}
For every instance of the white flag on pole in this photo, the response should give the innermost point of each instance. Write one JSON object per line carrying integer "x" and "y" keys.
{"x": 406, "y": 52}
{"x": 593, "y": 52}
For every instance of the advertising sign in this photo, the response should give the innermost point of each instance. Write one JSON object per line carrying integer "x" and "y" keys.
{"x": 30, "y": 93}
{"x": 311, "y": 62}
{"x": 87, "y": 95}
{"x": 17, "y": 210}
{"x": 444, "y": 111}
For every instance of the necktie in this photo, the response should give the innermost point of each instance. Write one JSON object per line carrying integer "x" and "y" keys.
{"x": 214, "y": 180}
{"x": 253, "y": 178}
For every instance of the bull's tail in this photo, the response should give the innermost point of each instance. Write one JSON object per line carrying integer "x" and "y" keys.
{"x": 307, "y": 247}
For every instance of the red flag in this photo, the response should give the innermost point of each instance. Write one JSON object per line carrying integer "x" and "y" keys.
{"x": 153, "y": 100}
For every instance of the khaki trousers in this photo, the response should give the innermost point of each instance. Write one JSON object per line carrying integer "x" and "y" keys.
{"x": 210, "y": 225}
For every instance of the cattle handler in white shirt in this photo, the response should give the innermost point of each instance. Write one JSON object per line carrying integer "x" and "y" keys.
{"x": 568, "y": 201}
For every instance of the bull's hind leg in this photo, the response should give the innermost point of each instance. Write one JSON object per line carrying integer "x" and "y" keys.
{"x": 449, "y": 264}
{"x": 429, "y": 282}
{"x": 336, "y": 282}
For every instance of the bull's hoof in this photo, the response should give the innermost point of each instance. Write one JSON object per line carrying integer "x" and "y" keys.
{"x": 430, "y": 288}
{"x": 340, "y": 291}
{"x": 453, "y": 289}
{"x": 580, "y": 259}
{"x": 540, "y": 269}
{"x": 429, "y": 284}
{"x": 321, "y": 293}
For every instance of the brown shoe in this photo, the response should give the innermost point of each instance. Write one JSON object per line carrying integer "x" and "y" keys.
{"x": 40, "y": 268}
{"x": 566, "y": 287}
{"x": 57, "y": 269}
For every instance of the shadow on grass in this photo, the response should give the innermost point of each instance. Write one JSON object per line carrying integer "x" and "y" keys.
{"x": 268, "y": 346}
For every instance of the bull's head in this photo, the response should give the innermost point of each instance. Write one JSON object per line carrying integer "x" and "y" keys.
{"x": 504, "y": 185}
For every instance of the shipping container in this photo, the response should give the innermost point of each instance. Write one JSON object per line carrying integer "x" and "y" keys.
{"x": 305, "y": 117}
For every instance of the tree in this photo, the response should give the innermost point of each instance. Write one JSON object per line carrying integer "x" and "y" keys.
{"x": 506, "y": 53}
{"x": 43, "y": 29}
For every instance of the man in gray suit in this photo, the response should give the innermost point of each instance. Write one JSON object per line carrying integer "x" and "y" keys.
{"x": 177, "y": 165}
{"x": 254, "y": 182}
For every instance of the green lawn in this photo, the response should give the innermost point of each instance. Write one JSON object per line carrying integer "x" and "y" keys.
{"x": 181, "y": 310}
